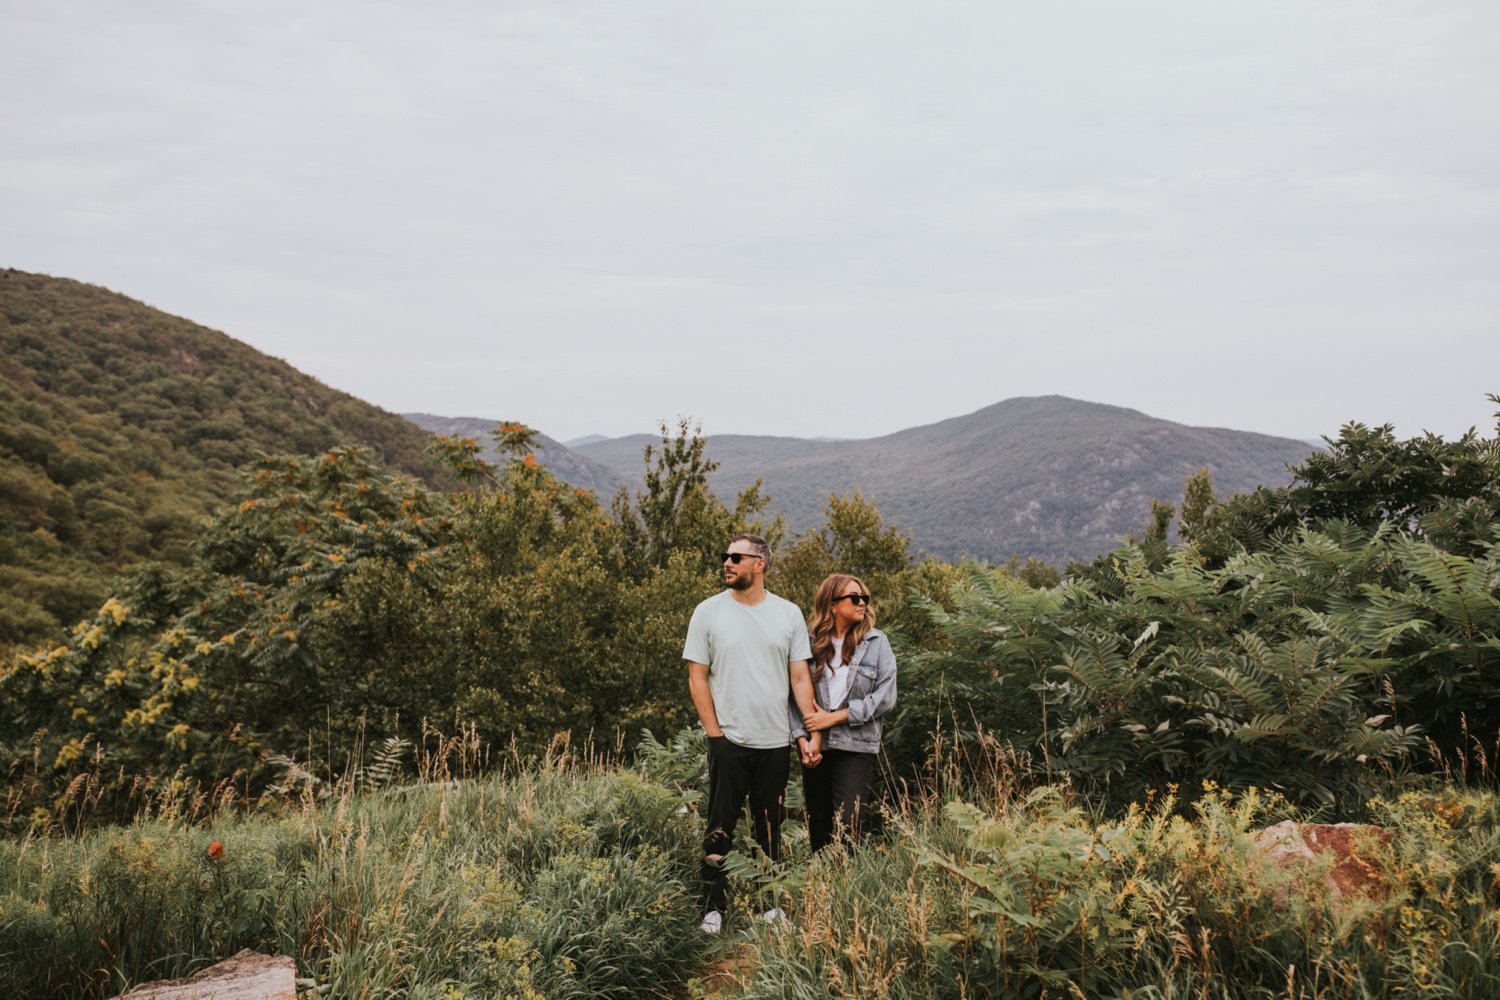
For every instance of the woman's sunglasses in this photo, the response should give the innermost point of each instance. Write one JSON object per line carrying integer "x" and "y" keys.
{"x": 856, "y": 598}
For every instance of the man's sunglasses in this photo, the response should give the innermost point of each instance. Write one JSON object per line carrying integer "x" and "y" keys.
{"x": 856, "y": 598}
{"x": 735, "y": 557}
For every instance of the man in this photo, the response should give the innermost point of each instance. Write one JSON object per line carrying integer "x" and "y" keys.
{"x": 746, "y": 649}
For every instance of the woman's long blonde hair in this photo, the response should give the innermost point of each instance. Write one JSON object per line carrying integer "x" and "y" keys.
{"x": 820, "y": 627}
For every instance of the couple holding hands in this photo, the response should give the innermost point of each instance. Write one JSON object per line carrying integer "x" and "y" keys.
{"x": 761, "y": 679}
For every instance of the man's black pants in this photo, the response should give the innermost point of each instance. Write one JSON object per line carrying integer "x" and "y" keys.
{"x": 837, "y": 793}
{"x": 735, "y": 773}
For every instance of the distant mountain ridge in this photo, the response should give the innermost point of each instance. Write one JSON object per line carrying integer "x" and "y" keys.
{"x": 1047, "y": 476}
{"x": 122, "y": 426}
{"x": 565, "y": 463}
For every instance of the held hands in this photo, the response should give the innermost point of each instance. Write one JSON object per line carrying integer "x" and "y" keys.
{"x": 820, "y": 720}
{"x": 810, "y": 748}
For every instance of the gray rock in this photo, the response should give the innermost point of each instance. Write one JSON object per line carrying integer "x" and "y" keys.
{"x": 245, "y": 976}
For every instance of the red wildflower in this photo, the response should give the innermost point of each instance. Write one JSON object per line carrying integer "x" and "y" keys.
{"x": 216, "y": 851}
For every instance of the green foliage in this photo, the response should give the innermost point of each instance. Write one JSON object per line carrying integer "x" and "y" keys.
{"x": 557, "y": 882}
{"x": 1161, "y": 520}
{"x": 562, "y": 462}
{"x": 855, "y": 539}
{"x": 1318, "y": 633}
{"x": 1446, "y": 492}
{"x": 676, "y": 512}
{"x": 337, "y": 602}
{"x": 1197, "y": 501}
{"x": 569, "y": 880}
{"x": 1317, "y": 669}
{"x": 681, "y": 764}
{"x": 289, "y": 622}
{"x": 1028, "y": 894}
{"x": 1033, "y": 572}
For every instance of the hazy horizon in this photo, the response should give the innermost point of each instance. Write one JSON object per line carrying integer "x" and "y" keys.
{"x": 583, "y": 440}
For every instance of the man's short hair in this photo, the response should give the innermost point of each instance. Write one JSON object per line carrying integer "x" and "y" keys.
{"x": 759, "y": 544}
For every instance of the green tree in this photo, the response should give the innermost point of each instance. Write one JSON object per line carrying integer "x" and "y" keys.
{"x": 336, "y": 602}
{"x": 1033, "y": 572}
{"x": 1197, "y": 505}
{"x": 1162, "y": 513}
{"x": 677, "y": 512}
{"x": 1447, "y": 492}
{"x": 856, "y": 539}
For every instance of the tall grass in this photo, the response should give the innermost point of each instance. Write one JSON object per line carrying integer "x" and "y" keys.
{"x": 565, "y": 879}
{"x": 572, "y": 877}
{"x": 1021, "y": 890}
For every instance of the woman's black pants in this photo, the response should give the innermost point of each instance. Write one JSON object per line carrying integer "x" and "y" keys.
{"x": 837, "y": 793}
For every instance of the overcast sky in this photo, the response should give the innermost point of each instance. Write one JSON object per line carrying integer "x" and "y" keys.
{"x": 788, "y": 216}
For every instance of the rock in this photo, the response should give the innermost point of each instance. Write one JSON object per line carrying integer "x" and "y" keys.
{"x": 245, "y": 976}
{"x": 1352, "y": 855}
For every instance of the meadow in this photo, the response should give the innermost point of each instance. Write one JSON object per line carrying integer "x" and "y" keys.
{"x": 224, "y": 757}
{"x": 575, "y": 876}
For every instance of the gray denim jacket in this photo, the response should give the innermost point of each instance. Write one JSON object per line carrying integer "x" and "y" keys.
{"x": 872, "y": 693}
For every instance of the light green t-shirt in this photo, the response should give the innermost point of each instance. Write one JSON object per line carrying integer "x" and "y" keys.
{"x": 747, "y": 649}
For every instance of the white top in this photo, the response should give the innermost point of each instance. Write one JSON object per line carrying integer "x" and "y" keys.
{"x": 838, "y": 676}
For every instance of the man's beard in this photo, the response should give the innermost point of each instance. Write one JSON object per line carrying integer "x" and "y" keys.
{"x": 739, "y": 583}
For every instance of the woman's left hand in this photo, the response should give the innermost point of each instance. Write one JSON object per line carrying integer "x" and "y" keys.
{"x": 816, "y": 721}
{"x": 810, "y": 749}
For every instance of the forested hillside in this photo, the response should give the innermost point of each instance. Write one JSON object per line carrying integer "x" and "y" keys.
{"x": 121, "y": 428}
{"x": 120, "y": 431}
{"x": 1077, "y": 777}
{"x": 1043, "y": 476}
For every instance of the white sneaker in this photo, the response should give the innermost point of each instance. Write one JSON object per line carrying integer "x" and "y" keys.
{"x": 776, "y": 918}
{"x": 713, "y": 922}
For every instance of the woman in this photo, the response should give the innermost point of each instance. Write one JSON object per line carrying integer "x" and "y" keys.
{"x": 854, "y": 681}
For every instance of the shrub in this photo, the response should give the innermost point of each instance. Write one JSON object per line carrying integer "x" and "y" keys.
{"x": 1319, "y": 668}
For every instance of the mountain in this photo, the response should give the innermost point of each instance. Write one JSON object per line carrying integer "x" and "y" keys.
{"x": 586, "y": 439}
{"x": 567, "y": 465}
{"x": 121, "y": 428}
{"x": 1040, "y": 476}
